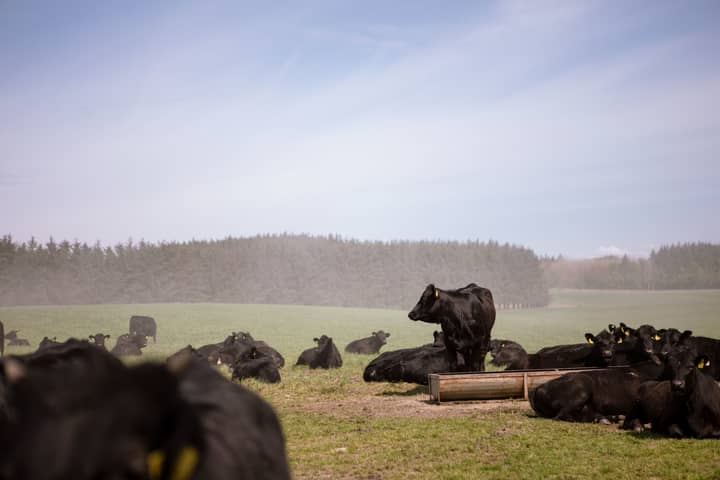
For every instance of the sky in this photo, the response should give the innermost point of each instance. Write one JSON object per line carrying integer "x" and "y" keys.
{"x": 580, "y": 128}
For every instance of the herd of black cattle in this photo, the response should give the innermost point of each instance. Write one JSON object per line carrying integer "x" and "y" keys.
{"x": 72, "y": 409}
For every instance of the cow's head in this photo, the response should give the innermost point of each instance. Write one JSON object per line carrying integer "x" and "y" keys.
{"x": 99, "y": 339}
{"x": 682, "y": 363}
{"x": 604, "y": 345}
{"x": 423, "y": 310}
{"x": 669, "y": 339}
{"x": 380, "y": 335}
{"x": 506, "y": 354}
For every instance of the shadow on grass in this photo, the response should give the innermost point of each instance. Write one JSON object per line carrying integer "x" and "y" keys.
{"x": 418, "y": 390}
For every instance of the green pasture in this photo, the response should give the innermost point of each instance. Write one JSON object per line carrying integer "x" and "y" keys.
{"x": 330, "y": 436}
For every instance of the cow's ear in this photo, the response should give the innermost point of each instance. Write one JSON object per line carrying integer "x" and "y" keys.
{"x": 387, "y": 334}
{"x": 14, "y": 370}
{"x": 590, "y": 338}
{"x": 316, "y": 340}
{"x": 702, "y": 361}
{"x": 374, "y": 333}
{"x": 685, "y": 335}
{"x": 611, "y": 327}
{"x": 89, "y": 336}
{"x": 107, "y": 336}
{"x": 657, "y": 337}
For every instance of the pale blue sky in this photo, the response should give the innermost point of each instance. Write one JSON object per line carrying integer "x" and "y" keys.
{"x": 573, "y": 127}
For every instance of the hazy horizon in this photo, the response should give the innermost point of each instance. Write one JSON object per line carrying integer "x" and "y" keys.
{"x": 574, "y": 128}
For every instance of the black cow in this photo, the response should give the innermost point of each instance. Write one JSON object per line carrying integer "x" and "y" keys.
{"x": 592, "y": 395}
{"x": 211, "y": 351}
{"x": 670, "y": 338}
{"x": 241, "y": 432}
{"x": 99, "y": 339}
{"x": 145, "y": 326}
{"x": 114, "y": 421}
{"x": 262, "y": 347}
{"x": 324, "y": 355}
{"x": 15, "y": 341}
{"x": 2, "y": 339}
{"x": 639, "y": 344}
{"x": 368, "y": 345}
{"x": 597, "y": 352}
{"x": 247, "y": 361}
{"x": 709, "y": 347}
{"x": 46, "y": 342}
{"x": 129, "y": 345}
{"x": 260, "y": 366}
{"x": 466, "y": 316}
{"x": 410, "y": 365}
{"x": 496, "y": 345}
{"x": 147, "y": 422}
{"x": 688, "y": 404}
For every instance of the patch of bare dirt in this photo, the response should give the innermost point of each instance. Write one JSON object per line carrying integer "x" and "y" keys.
{"x": 417, "y": 406}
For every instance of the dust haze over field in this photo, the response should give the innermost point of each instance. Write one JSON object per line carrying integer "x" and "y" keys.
{"x": 575, "y": 128}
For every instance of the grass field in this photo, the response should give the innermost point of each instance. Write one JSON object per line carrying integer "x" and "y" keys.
{"x": 337, "y": 426}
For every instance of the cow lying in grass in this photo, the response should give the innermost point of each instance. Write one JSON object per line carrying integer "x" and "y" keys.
{"x": 410, "y": 365}
{"x": 368, "y": 345}
{"x": 324, "y": 355}
{"x": 687, "y": 404}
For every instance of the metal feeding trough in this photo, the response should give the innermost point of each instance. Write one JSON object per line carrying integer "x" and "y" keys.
{"x": 451, "y": 387}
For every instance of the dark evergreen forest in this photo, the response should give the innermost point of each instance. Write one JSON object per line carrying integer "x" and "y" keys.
{"x": 281, "y": 269}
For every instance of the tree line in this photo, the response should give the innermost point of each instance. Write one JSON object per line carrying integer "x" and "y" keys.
{"x": 279, "y": 269}
{"x": 679, "y": 266}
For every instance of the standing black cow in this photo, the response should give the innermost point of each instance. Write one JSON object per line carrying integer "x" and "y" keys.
{"x": 324, "y": 355}
{"x": 368, "y": 345}
{"x": 144, "y": 326}
{"x": 466, "y": 316}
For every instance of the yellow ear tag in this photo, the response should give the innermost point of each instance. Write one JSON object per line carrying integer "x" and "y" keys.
{"x": 656, "y": 337}
{"x": 590, "y": 340}
{"x": 155, "y": 460}
{"x": 184, "y": 466}
{"x": 620, "y": 340}
{"x": 437, "y": 293}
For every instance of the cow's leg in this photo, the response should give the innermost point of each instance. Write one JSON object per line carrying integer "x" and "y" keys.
{"x": 477, "y": 360}
{"x": 575, "y": 404}
{"x": 451, "y": 354}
